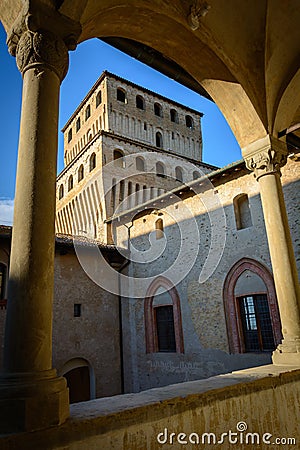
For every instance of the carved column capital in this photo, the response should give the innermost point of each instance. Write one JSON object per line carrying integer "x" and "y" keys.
{"x": 41, "y": 37}
{"x": 265, "y": 156}
{"x": 198, "y": 9}
{"x": 42, "y": 49}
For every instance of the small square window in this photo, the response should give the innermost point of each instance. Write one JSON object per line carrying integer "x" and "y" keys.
{"x": 77, "y": 309}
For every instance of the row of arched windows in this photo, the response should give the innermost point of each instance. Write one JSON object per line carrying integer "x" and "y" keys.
{"x": 84, "y": 140}
{"x": 130, "y": 194}
{"x": 126, "y": 124}
{"x": 80, "y": 176}
{"x": 157, "y": 108}
{"x": 81, "y": 213}
{"x": 160, "y": 167}
{"x": 87, "y": 115}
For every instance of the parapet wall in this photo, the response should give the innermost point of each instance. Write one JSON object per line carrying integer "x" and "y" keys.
{"x": 253, "y": 408}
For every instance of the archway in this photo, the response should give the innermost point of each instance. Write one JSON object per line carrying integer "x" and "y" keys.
{"x": 80, "y": 379}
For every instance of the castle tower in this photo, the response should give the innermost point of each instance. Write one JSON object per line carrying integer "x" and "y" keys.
{"x": 123, "y": 146}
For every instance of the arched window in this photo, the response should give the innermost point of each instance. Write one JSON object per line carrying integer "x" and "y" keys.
{"x": 140, "y": 164}
{"x": 196, "y": 175}
{"x": 78, "y": 124}
{"x": 159, "y": 140}
{"x": 157, "y": 109}
{"x": 189, "y": 122}
{"x": 70, "y": 135}
{"x": 121, "y": 191}
{"x": 160, "y": 169}
{"x": 80, "y": 173}
{"x": 159, "y": 229}
{"x": 87, "y": 112}
{"x": 121, "y": 95}
{"x": 242, "y": 212}
{"x": 251, "y": 309}
{"x": 163, "y": 325}
{"x": 61, "y": 191}
{"x": 2, "y": 280}
{"x": 89, "y": 135}
{"x": 179, "y": 174}
{"x": 98, "y": 99}
{"x": 140, "y": 103}
{"x": 70, "y": 183}
{"x": 92, "y": 161}
{"x": 174, "y": 115}
{"x": 119, "y": 158}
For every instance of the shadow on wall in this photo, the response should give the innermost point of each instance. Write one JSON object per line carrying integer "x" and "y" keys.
{"x": 223, "y": 329}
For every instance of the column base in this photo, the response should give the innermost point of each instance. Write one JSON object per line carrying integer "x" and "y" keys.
{"x": 32, "y": 401}
{"x": 287, "y": 353}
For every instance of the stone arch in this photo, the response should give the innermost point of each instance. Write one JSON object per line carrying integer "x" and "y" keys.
{"x": 150, "y": 328}
{"x": 222, "y": 76}
{"x": 77, "y": 363}
{"x": 287, "y": 111}
{"x": 234, "y": 329}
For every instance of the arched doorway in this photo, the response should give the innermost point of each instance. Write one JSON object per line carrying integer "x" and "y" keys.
{"x": 80, "y": 380}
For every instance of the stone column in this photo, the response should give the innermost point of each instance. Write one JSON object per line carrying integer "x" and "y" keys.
{"x": 31, "y": 394}
{"x": 265, "y": 157}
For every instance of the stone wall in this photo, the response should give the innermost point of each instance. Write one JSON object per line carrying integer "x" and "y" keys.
{"x": 211, "y": 346}
{"x": 91, "y": 340}
{"x": 255, "y": 408}
{"x": 94, "y": 336}
{"x": 142, "y": 124}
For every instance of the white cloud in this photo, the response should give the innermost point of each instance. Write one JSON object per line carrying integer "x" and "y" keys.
{"x": 6, "y": 211}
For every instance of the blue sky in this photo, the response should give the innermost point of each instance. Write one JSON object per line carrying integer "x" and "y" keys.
{"x": 86, "y": 65}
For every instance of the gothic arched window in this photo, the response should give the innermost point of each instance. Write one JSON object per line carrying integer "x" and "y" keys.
{"x": 80, "y": 173}
{"x": 163, "y": 325}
